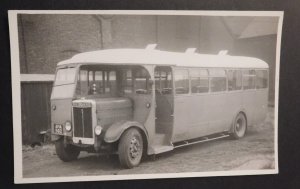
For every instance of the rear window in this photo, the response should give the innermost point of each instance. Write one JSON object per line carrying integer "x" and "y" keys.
{"x": 261, "y": 79}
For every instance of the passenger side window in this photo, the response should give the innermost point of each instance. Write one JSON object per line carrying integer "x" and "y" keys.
{"x": 199, "y": 81}
{"x": 234, "y": 80}
{"x": 261, "y": 79}
{"x": 249, "y": 79}
{"x": 181, "y": 81}
{"x": 217, "y": 80}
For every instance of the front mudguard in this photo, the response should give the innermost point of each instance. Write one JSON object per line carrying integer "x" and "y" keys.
{"x": 114, "y": 132}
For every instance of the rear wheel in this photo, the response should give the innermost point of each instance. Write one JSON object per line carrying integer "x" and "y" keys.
{"x": 239, "y": 126}
{"x": 66, "y": 152}
{"x": 130, "y": 148}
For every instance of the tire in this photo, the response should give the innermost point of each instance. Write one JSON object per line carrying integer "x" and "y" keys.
{"x": 130, "y": 148}
{"x": 66, "y": 152}
{"x": 239, "y": 126}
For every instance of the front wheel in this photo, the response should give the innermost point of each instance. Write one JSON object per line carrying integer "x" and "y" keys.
{"x": 66, "y": 152}
{"x": 239, "y": 126}
{"x": 130, "y": 148}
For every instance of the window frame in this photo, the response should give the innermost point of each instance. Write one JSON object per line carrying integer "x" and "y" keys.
{"x": 147, "y": 77}
{"x": 253, "y": 76}
{"x": 171, "y": 71}
{"x": 199, "y": 77}
{"x": 213, "y": 76}
{"x": 65, "y": 68}
{"x": 174, "y": 82}
{"x": 234, "y": 69}
{"x": 103, "y": 87}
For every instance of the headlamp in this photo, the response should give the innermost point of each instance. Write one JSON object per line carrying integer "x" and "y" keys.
{"x": 68, "y": 126}
{"x": 98, "y": 130}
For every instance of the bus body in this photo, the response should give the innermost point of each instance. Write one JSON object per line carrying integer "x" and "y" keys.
{"x": 145, "y": 101}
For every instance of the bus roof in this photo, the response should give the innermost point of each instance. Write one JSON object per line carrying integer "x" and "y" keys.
{"x": 158, "y": 57}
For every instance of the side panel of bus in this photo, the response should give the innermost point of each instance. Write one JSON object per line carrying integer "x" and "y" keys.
{"x": 262, "y": 105}
{"x": 198, "y": 114}
{"x": 191, "y": 117}
{"x": 202, "y": 115}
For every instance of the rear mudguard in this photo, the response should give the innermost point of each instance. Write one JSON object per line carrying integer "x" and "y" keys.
{"x": 114, "y": 132}
{"x": 240, "y": 111}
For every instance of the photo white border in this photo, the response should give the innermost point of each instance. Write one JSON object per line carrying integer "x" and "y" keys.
{"x": 16, "y": 95}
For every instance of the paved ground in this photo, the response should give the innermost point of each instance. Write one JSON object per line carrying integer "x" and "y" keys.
{"x": 255, "y": 151}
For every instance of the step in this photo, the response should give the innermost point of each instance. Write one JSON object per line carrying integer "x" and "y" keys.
{"x": 161, "y": 149}
{"x": 200, "y": 140}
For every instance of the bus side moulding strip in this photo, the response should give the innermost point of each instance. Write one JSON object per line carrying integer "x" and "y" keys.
{"x": 204, "y": 139}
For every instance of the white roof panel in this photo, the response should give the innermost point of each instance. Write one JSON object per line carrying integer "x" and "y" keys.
{"x": 157, "y": 57}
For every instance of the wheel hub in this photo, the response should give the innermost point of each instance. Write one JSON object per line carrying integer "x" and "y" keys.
{"x": 239, "y": 125}
{"x": 134, "y": 148}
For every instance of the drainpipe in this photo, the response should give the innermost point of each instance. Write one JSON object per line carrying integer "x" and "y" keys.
{"x": 100, "y": 26}
{"x": 100, "y": 19}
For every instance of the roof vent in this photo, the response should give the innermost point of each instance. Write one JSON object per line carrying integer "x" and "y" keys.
{"x": 151, "y": 46}
{"x": 190, "y": 50}
{"x": 223, "y": 52}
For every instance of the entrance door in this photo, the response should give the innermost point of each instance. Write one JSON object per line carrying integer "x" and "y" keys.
{"x": 164, "y": 101}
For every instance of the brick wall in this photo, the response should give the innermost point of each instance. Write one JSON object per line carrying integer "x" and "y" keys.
{"x": 47, "y": 39}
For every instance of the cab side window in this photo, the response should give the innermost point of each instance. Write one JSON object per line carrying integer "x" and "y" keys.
{"x": 141, "y": 84}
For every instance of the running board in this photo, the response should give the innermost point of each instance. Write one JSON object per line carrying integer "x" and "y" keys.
{"x": 203, "y": 139}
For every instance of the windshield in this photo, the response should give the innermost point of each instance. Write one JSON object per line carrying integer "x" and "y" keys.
{"x": 65, "y": 76}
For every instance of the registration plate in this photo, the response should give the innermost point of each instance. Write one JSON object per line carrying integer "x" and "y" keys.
{"x": 58, "y": 129}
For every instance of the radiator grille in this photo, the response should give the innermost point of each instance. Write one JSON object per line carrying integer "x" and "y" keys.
{"x": 83, "y": 126}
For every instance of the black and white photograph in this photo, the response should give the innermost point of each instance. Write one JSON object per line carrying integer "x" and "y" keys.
{"x": 114, "y": 95}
